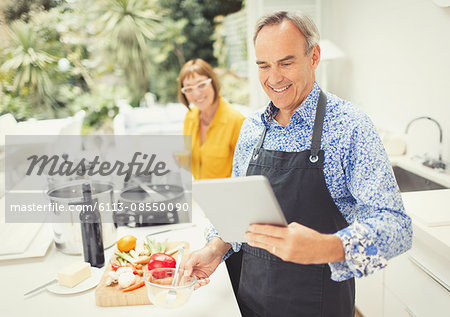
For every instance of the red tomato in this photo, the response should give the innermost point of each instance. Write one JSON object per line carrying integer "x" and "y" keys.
{"x": 115, "y": 266}
{"x": 161, "y": 260}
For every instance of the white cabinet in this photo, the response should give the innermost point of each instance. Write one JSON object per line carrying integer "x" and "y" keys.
{"x": 403, "y": 288}
{"x": 415, "y": 289}
{"x": 369, "y": 294}
{"x": 393, "y": 307}
{"x": 416, "y": 283}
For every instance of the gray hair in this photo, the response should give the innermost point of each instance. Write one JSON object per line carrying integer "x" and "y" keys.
{"x": 302, "y": 21}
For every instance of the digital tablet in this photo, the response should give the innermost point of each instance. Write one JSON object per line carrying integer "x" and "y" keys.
{"x": 232, "y": 204}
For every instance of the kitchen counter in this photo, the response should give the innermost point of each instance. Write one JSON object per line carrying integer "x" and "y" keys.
{"x": 430, "y": 213}
{"x": 431, "y": 241}
{"x": 20, "y": 276}
{"x": 429, "y": 209}
{"x": 416, "y": 283}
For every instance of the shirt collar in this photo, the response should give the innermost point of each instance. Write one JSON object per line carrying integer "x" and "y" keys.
{"x": 306, "y": 111}
{"x": 219, "y": 116}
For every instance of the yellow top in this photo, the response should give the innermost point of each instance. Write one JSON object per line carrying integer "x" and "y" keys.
{"x": 214, "y": 158}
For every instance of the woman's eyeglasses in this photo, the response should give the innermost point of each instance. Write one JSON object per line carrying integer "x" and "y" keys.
{"x": 200, "y": 86}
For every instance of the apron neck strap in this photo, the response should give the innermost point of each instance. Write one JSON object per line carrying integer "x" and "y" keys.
{"x": 317, "y": 130}
{"x": 260, "y": 143}
{"x": 318, "y": 125}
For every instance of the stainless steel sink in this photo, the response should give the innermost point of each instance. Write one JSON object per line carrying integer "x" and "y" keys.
{"x": 410, "y": 182}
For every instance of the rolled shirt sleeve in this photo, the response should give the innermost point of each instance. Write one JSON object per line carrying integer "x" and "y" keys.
{"x": 381, "y": 229}
{"x": 211, "y": 232}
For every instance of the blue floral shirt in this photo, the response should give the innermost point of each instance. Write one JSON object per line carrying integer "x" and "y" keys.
{"x": 357, "y": 173}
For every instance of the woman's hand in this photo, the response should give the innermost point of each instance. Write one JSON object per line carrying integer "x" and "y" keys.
{"x": 183, "y": 159}
{"x": 296, "y": 243}
{"x": 203, "y": 262}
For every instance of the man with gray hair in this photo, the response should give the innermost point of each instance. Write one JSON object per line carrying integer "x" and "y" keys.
{"x": 332, "y": 178}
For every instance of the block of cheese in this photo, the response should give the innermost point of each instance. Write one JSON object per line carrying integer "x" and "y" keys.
{"x": 74, "y": 274}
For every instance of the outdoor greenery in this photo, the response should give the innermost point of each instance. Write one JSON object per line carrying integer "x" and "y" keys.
{"x": 194, "y": 40}
{"x": 63, "y": 56}
{"x": 20, "y": 9}
{"x": 31, "y": 62}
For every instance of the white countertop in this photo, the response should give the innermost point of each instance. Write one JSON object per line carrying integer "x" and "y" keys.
{"x": 20, "y": 276}
{"x": 430, "y": 213}
{"x": 429, "y": 209}
{"x": 431, "y": 243}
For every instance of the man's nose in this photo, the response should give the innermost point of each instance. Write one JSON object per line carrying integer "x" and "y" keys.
{"x": 275, "y": 76}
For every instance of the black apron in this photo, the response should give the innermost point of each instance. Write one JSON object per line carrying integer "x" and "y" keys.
{"x": 270, "y": 286}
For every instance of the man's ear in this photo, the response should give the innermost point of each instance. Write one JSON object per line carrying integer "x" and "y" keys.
{"x": 315, "y": 56}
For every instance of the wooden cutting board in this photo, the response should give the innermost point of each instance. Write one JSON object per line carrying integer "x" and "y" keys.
{"x": 113, "y": 296}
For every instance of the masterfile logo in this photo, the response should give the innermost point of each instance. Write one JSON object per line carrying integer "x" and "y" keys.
{"x": 44, "y": 174}
{"x": 65, "y": 167}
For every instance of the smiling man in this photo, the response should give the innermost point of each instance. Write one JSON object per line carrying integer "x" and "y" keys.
{"x": 286, "y": 66}
{"x": 332, "y": 178}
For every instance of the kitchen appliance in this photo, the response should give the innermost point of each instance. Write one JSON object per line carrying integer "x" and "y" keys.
{"x": 67, "y": 235}
{"x": 140, "y": 208}
{"x": 57, "y": 180}
{"x": 152, "y": 200}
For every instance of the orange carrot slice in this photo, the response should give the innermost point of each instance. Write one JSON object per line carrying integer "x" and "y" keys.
{"x": 134, "y": 286}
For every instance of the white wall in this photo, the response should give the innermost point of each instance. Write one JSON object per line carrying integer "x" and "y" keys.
{"x": 256, "y": 9}
{"x": 397, "y": 65}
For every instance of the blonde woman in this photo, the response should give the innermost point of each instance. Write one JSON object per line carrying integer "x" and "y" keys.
{"x": 212, "y": 122}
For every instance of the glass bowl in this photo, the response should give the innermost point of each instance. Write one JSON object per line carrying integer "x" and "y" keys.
{"x": 159, "y": 283}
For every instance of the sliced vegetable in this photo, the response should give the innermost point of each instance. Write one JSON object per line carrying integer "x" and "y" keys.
{"x": 161, "y": 260}
{"x": 129, "y": 265}
{"x": 141, "y": 249}
{"x": 174, "y": 250}
{"x": 134, "y": 255}
{"x": 112, "y": 278}
{"x": 121, "y": 261}
{"x": 125, "y": 256}
{"x": 134, "y": 286}
{"x": 124, "y": 269}
{"x": 155, "y": 246}
{"x": 142, "y": 261}
{"x": 115, "y": 266}
{"x": 115, "y": 276}
{"x": 126, "y": 279}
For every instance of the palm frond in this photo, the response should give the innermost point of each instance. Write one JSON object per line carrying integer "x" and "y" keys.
{"x": 28, "y": 61}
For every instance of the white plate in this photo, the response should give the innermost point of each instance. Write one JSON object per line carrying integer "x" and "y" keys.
{"x": 83, "y": 286}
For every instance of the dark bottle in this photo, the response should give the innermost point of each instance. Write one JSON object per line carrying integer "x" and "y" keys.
{"x": 91, "y": 230}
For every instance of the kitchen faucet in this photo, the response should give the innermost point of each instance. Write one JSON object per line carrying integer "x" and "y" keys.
{"x": 438, "y": 164}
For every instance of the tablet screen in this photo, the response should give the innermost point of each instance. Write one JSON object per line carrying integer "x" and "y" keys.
{"x": 232, "y": 204}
